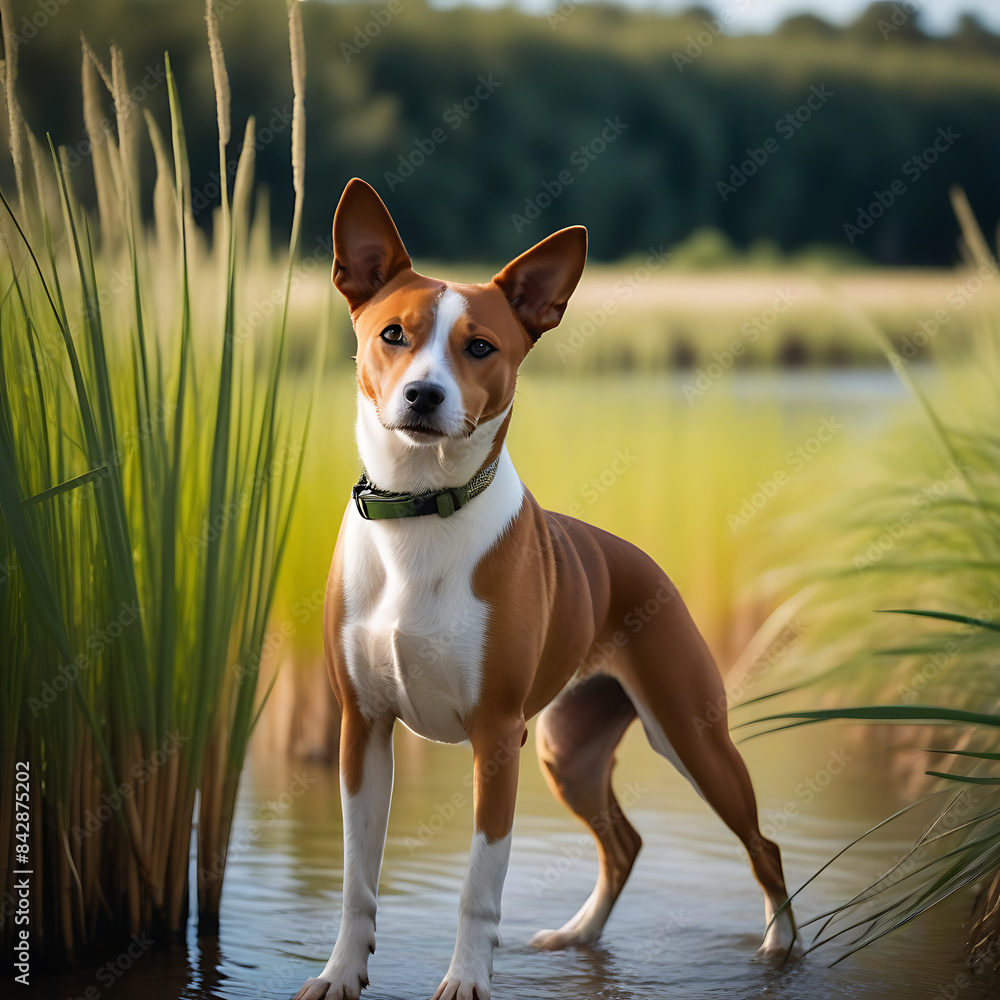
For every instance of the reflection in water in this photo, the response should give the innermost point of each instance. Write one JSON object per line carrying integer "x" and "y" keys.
{"x": 687, "y": 925}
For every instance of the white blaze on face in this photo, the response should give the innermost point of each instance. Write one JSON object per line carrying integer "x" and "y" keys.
{"x": 397, "y": 459}
{"x": 430, "y": 364}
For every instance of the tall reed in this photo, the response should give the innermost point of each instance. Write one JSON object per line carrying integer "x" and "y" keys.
{"x": 932, "y": 562}
{"x": 149, "y": 460}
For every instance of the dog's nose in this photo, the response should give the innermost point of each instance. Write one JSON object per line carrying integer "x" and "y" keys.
{"x": 423, "y": 396}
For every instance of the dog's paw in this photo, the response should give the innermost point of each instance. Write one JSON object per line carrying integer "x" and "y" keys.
{"x": 313, "y": 989}
{"x": 565, "y": 937}
{"x": 778, "y": 949}
{"x": 463, "y": 986}
{"x": 781, "y": 938}
{"x": 337, "y": 988}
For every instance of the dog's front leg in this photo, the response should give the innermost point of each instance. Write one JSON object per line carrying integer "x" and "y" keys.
{"x": 365, "y": 789}
{"x": 496, "y": 748}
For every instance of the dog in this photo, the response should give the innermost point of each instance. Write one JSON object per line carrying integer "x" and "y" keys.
{"x": 459, "y": 606}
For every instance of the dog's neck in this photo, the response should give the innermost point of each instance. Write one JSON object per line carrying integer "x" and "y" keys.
{"x": 394, "y": 464}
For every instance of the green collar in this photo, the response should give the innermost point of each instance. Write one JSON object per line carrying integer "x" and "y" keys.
{"x": 376, "y": 505}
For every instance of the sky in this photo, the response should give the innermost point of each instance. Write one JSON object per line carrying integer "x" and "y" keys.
{"x": 939, "y": 16}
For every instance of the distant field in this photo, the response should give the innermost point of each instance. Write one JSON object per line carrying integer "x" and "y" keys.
{"x": 683, "y": 320}
{"x": 633, "y": 316}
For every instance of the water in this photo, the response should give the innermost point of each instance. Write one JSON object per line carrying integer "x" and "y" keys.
{"x": 687, "y": 925}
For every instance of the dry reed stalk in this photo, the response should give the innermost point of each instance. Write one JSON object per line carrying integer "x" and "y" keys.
{"x": 213, "y": 832}
{"x": 220, "y": 78}
{"x": 972, "y": 234}
{"x": 165, "y": 214}
{"x": 144, "y": 797}
{"x": 15, "y": 120}
{"x": 98, "y": 130}
{"x": 98, "y": 65}
{"x": 243, "y": 185}
{"x": 260, "y": 233}
{"x": 72, "y": 844}
{"x": 985, "y": 933}
{"x": 223, "y": 832}
{"x": 45, "y": 182}
{"x": 209, "y": 795}
{"x": 138, "y": 798}
{"x": 220, "y": 81}
{"x": 90, "y": 856}
{"x": 180, "y": 841}
{"x": 297, "y": 46}
{"x": 150, "y": 801}
{"x": 134, "y": 895}
{"x": 161, "y": 841}
{"x": 126, "y": 121}
{"x": 121, "y": 859}
{"x": 75, "y": 881}
{"x": 135, "y": 836}
{"x": 218, "y": 828}
{"x": 65, "y": 888}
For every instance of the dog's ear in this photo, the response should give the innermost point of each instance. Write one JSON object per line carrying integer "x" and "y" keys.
{"x": 367, "y": 250}
{"x": 538, "y": 284}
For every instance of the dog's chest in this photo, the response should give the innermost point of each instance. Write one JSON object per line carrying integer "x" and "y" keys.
{"x": 414, "y": 631}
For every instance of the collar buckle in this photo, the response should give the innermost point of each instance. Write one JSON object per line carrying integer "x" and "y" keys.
{"x": 447, "y": 503}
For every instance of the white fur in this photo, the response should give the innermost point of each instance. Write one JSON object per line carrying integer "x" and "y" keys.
{"x": 413, "y": 630}
{"x": 655, "y": 734}
{"x": 479, "y": 917}
{"x": 396, "y": 460}
{"x": 393, "y": 462}
{"x": 780, "y": 936}
{"x": 430, "y": 364}
{"x": 366, "y": 816}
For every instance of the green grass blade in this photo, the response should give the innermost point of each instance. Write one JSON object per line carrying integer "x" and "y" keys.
{"x": 945, "y": 617}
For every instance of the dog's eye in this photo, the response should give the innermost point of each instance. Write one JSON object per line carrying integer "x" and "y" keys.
{"x": 394, "y": 335}
{"x": 480, "y": 348}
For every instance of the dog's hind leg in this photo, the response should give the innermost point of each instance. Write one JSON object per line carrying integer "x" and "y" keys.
{"x": 576, "y": 738}
{"x": 670, "y": 675}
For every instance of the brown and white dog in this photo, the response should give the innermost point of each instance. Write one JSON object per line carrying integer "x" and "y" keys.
{"x": 469, "y": 609}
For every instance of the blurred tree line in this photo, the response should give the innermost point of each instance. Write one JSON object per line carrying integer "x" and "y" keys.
{"x": 484, "y": 130}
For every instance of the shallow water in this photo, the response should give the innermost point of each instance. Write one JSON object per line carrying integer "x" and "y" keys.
{"x": 687, "y": 924}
